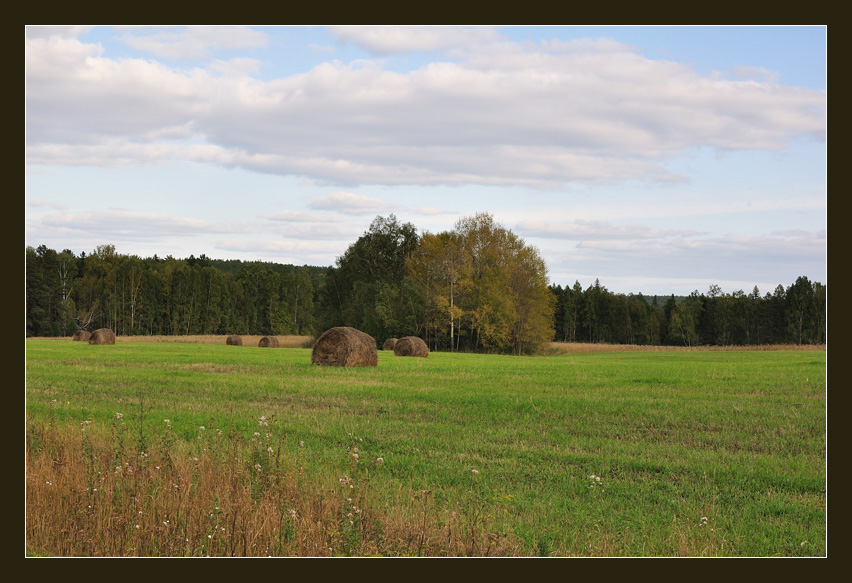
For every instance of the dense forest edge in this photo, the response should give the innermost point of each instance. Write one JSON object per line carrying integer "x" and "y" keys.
{"x": 478, "y": 287}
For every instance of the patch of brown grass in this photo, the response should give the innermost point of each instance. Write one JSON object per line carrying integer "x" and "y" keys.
{"x": 555, "y": 348}
{"x": 292, "y": 341}
{"x": 97, "y": 493}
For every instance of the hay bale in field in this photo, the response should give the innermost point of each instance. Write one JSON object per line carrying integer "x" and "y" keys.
{"x": 345, "y": 346}
{"x": 389, "y": 343}
{"x": 102, "y": 336}
{"x": 81, "y": 335}
{"x": 411, "y": 346}
{"x": 268, "y": 342}
{"x": 234, "y": 340}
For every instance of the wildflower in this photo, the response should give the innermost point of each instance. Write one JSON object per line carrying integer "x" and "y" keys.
{"x": 292, "y": 513}
{"x": 119, "y": 416}
{"x": 167, "y": 422}
{"x": 255, "y": 436}
{"x": 258, "y": 467}
{"x": 380, "y": 460}
{"x": 804, "y": 542}
{"x": 202, "y": 428}
{"x": 49, "y": 483}
{"x": 269, "y": 449}
{"x": 474, "y": 472}
{"x": 344, "y": 480}
{"x": 301, "y": 444}
{"x": 263, "y": 422}
{"x": 137, "y": 526}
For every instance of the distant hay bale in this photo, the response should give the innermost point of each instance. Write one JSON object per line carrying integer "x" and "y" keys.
{"x": 268, "y": 342}
{"x": 411, "y": 346}
{"x": 389, "y": 343}
{"x": 81, "y": 335}
{"x": 234, "y": 340}
{"x": 102, "y": 336}
{"x": 345, "y": 346}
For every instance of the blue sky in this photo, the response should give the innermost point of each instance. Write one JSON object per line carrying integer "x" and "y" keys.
{"x": 656, "y": 159}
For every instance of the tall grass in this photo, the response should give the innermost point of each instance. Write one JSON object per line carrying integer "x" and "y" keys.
{"x": 623, "y": 454}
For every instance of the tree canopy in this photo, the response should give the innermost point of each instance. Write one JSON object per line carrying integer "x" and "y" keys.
{"x": 477, "y": 287}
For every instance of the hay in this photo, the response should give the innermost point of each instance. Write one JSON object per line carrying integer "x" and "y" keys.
{"x": 102, "y": 336}
{"x": 268, "y": 342}
{"x": 81, "y": 335}
{"x": 389, "y": 343}
{"x": 234, "y": 340}
{"x": 411, "y": 346}
{"x": 345, "y": 346}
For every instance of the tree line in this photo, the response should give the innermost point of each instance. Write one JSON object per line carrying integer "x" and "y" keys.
{"x": 793, "y": 315}
{"x": 163, "y": 296}
{"x": 477, "y": 287}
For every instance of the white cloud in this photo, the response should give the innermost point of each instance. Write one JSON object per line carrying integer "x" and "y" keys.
{"x": 128, "y": 225}
{"x": 597, "y": 230}
{"x": 729, "y": 258}
{"x": 515, "y": 114}
{"x": 236, "y": 67}
{"x": 194, "y": 42}
{"x": 33, "y": 31}
{"x": 386, "y": 40}
{"x": 351, "y": 204}
{"x": 299, "y": 217}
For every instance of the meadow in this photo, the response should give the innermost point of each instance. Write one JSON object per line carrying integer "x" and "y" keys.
{"x": 200, "y": 449}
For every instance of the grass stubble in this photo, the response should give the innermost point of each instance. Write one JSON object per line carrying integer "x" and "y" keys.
{"x": 175, "y": 450}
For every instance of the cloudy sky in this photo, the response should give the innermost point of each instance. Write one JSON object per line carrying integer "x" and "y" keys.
{"x": 657, "y": 159}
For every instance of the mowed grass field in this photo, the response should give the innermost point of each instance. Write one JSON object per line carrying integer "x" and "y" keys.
{"x": 194, "y": 449}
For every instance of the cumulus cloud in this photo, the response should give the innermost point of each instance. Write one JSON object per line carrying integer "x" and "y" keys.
{"x": 516, "y": 114}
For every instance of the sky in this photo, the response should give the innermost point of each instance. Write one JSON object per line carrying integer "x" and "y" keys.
{"x": 657, "y": 160}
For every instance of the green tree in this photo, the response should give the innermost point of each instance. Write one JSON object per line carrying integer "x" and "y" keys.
{"x": 376, "y": 261}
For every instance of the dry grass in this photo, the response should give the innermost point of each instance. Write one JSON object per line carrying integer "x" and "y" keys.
{"x": 553, "y": 348}
{"x": 250, "y": 341}
{"x": 99, "y": 494}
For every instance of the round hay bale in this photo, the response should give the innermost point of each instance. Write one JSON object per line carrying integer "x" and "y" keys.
{"x": 234, "y": 340}
{"x": 411, "y": 346}
{"x": 81, "y": 336}
{"x": 268, "y": 342}
{"x": 345, "y": 346}
{"x": 389, "y": 343}
{"x": 102, "y": 336}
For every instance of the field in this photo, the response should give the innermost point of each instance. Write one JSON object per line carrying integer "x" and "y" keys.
{"x": 195, "y": 448}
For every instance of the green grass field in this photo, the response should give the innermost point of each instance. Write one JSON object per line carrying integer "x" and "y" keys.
{"x": 718, "y": 453}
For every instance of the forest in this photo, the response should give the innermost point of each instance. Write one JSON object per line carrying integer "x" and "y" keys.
{"x": 478, "y": 287}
